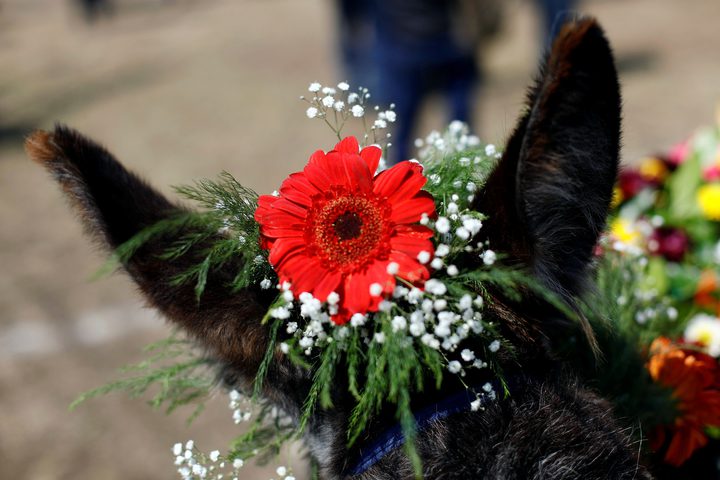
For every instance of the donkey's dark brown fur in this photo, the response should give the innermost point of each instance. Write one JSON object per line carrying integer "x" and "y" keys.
{"x": 547, "y": 200}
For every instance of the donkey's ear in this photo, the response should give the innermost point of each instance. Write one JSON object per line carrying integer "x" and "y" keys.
{"x": 114, "y": 205}
{"x": 550, "y": 194}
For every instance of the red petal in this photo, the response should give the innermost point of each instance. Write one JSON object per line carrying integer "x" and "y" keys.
{"x": 411, "y": 246}
{"x": 318, "y": 176}
{"x": 290, "y": 208}
{"x": 414, "y": 231}
{"x": 358, "y": 175}
{"x": 307, "y": 276}
{"x": 280, "y": 232}
{"x": 327, "y": 285}
{"x": 284, "y": 248}
{"x": 371, "y": 155}
{"x": 409, "y": 268}
{"x": 298, "y": 189}
{"x": 265, "y": 203}
{"x": 357, "y": 293}
{"x": 411, "y": 210}
{"x": 377, "y": 272}
{"x": 401, "y": 181}
{"x": 348, "y": 145}
{"x": 317, "y": 156}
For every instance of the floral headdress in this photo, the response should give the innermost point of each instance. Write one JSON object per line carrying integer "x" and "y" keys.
{"x": 369, "y": 269}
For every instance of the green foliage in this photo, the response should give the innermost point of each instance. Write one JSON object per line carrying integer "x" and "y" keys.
{"x": 264, "y": 438}
{"x": 174, "y": 371}
{"x": 620, "y": 374}
{"x": 224, "y": 232}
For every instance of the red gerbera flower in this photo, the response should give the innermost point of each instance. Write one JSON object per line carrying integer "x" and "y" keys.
{"x": 336, "y": 228}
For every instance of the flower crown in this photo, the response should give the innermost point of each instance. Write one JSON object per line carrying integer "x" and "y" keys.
{"x": 380, "y": 278}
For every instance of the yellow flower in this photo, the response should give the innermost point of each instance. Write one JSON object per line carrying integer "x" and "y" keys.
{"x": 653, "y": 169}
{"x": 617, "y": 197}
{"x": 625, "y": 231}
{"x": 708, "y": 197}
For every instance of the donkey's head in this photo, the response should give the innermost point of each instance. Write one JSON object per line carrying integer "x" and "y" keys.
{"x": 547, "y": 200}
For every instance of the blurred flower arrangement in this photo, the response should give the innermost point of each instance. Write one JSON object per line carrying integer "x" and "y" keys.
{"x": 667, "y": 215}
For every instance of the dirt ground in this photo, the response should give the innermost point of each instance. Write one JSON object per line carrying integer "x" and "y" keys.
{"x": 185, "y": 89}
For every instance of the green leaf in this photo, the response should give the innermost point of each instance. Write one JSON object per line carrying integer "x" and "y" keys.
{"x": 682, "y": 188}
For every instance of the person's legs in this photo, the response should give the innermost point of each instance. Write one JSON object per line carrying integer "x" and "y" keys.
{"x": 460, "y": 88}
{"x": 402, "y": 86}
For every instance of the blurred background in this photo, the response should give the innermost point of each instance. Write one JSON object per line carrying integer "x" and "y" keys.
{"x": 185, "y": 89}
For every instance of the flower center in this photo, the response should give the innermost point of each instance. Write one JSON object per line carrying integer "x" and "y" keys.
{"x": 348, "y": 225}
{"x": 348, "y": 232}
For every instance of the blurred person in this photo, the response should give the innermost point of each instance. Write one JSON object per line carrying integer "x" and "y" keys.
{"x": 356, "y": 37}
{"x": 93, "y": 9}
{"x": 554, "y": 14}
{"x": 422, "y": 46}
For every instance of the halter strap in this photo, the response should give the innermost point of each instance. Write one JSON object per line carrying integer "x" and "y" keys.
{"x": 392, "y": 438}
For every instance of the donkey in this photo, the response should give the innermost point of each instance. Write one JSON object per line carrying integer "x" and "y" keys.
{"x": 547, "y": 199}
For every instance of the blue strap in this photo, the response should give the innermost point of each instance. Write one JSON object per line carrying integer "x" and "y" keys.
{"x": 394, "y": 437}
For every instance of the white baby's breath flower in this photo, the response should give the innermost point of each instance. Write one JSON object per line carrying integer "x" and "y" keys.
{"x": 214, "y": 455}
{"x": 339, "y": 105}
{"x": 494, "y": 346}
{"x": 390, "y": 116}
{"x": 489, "y": 257}
{"x": 393, "y": 268}
{"x": 398, "y": 323}
{"x": 282, "y": 471}
{"x": 328, "y": 90}
{"x": 284, "y": 348}
{"x": 238, "y": 463}
{"x": 333, "y": 298}
{"x": 437, "y": 263}
{"x": 423, "y": 257}
{"x": 352, "y": 97}
{"x": 417, "y": 329}
{"x": 379, "y": 337}
{"x": 357, "y": 111}
{"x": 435, "y": 287}
{"x": 314, "y": 87}
{"x": 442, "y": 250}
{"x": 376, "y": 289}
{"x": 442, "y": 225}
{"x": 344, "y": 87}
{"x": 358, "y": 320}
{"x": 311, "y": 112}
{"x": 475, "y": 405}
{"x": 454, "y": 366}
{"x": 452, "y": 270}
{"x": 328, "y": 101}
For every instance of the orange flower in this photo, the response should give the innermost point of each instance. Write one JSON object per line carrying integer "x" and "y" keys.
{"x": 694, "y": 378}
{"x": 706, "y": 292}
